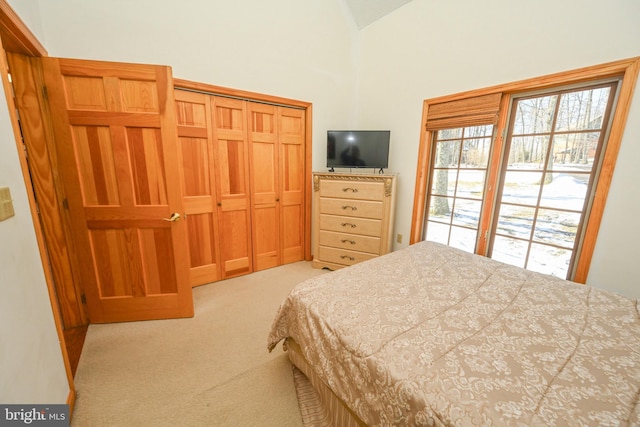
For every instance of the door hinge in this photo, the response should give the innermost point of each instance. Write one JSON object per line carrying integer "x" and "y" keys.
{"x": 45, "y": 95}
{"x": 83, "y": 298}
{"x": 65, "y": 203}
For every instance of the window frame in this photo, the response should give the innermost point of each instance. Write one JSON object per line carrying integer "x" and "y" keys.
{"x": 626, "y": 70}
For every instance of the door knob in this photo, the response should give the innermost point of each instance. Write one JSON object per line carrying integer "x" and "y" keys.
{"x": 173, "y": 218}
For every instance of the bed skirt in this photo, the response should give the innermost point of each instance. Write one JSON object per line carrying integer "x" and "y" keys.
{"x": 319, "y": 406}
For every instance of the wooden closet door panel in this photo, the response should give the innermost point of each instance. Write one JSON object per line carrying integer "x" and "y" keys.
{"x": 291, "y": 127}
{"x": 232, "y": 182}
{"x": 265, "y": 191}
{"x": 193, "y": 114}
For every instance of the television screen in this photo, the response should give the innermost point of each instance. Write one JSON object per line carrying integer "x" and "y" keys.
{"x": 358, "y": 148}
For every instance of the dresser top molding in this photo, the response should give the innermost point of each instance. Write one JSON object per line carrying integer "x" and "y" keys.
{"x": 387, "y": 179}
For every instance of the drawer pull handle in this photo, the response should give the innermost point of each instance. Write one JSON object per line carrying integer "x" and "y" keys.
{"x": 353, "y": 190}
{"x": 348, "y": 241}
{"x": 353, "y": 208}
{"x": 350, "y": 258}
{"x": 345, "y": 224}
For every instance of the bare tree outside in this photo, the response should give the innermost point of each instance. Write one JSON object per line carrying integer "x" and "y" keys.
{"x": 553, "y": 144}
{"x": 447, "y": 155}
{"x": 459, "y": 171}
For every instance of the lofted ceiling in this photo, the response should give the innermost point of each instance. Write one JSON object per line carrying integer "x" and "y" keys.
{"x": 367, "y": 11}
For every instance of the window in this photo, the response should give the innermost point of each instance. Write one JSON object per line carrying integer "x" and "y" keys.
{"x": 520, "y": 172}
{"x": 553, "y": 146}
{"x": 459, "y": 172}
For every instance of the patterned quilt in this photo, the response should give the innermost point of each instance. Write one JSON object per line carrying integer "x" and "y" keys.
{"x": 431, "y": 335}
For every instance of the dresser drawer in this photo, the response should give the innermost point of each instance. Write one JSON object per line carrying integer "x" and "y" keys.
{"x": 345, "y": 224}
{"x": 353, "y": 208}
{"x": 350, "y": 241}
{"x": 352, "y": 190}
{"x": 343, "y": 256}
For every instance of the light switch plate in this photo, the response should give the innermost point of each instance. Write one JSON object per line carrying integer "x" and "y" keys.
{"x": 6, "y": 204}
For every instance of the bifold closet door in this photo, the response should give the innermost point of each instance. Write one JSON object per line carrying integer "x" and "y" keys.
{"x": 243, "y": 179}
{"x": 196, "y": 148}
{"x": 265, "y": 192}
{"x": 277, "y": 184}
{"x": 231, "y": 154}
{"x": 291, "y": 135}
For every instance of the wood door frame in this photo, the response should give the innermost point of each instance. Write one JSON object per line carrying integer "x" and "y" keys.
{"x": 39, "y": 141}
{"x": 276, "y": 100}
{"x": 16, "y": 37}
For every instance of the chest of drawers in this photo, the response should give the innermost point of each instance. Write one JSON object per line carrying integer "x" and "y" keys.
{"x": 353, "y": 218}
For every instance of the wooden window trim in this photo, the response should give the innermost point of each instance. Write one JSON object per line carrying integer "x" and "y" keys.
{"x": 627, "y": 69}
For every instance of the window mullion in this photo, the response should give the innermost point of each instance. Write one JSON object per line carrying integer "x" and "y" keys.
{"x": 493, "y": 178}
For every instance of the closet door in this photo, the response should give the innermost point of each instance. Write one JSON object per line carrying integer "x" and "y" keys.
{"x": 195, "y": 143}
{"x": 232, "y": 182}
{"x": 291, "y": 135}
{"x": 277, "y": 184}
{"x": 265, "y": 191}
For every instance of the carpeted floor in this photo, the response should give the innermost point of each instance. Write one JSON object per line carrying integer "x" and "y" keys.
{"x": 210, "y": 370}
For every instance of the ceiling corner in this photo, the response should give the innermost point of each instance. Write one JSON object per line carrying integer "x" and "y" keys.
{"x": 366, "y": 12}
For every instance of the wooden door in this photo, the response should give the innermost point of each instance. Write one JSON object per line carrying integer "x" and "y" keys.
{"x": 195, "y": 140}
{"x": 116, "y": 141}
{"x": 291, "y": 135}
{"x": 277, "y": 137}
{"x": 232, "y": 182}
{"x": 265, "y": 191}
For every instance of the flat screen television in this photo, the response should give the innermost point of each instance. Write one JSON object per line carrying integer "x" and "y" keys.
{"x": 358, "y": 149}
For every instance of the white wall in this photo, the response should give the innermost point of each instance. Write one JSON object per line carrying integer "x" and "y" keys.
{"x": 432, "y": 48}
{"x": 303, "y": 50}
{"x": 31, "y": 366}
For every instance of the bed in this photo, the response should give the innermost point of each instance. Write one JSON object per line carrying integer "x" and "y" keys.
{"x": 431, "y": 335}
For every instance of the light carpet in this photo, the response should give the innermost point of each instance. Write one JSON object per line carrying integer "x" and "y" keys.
{"x": 210, "y": 370}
